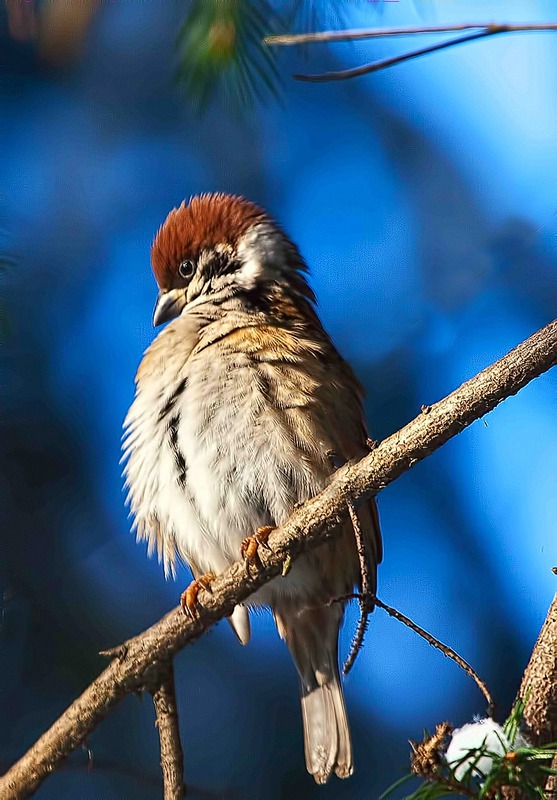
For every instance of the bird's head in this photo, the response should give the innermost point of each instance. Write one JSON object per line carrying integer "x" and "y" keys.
{"x": 218, "y": 246}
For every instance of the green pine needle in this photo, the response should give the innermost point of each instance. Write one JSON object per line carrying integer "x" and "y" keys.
{"x": 513, "y": 723}
{"x": 221, "y": 49}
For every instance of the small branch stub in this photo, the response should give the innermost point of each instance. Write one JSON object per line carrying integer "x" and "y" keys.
{"x": 164, "y": 699}
{"x": 427, "y": 755}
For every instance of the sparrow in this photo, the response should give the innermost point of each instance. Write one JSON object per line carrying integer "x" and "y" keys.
{"x": 243, "y": 409}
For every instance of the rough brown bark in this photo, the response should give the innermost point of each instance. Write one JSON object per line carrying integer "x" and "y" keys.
{"x": 141, "y": 662}
{"x": 538, "y": 689}
{"x": 551, "y": 785}
{"x": 539, "y": 684}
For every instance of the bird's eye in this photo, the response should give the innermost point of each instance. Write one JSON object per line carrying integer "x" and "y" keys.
{"x": 186, "y": 268}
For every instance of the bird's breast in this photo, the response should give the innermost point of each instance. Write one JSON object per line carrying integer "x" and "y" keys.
{"x": 215, "y": 452}
{"x": 243, "y": 467}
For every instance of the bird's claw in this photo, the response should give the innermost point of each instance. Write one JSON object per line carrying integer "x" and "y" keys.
{"x": 188, "y": 600}
{"x": 251, "y": 544}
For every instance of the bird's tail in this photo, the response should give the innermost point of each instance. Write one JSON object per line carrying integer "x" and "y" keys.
{"x": 312, "y": 638}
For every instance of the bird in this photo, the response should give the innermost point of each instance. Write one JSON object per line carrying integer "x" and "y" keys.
{"x": 243, "y": 409}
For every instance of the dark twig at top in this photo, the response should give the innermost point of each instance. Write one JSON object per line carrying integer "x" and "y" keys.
{"x": 480, "y": 31}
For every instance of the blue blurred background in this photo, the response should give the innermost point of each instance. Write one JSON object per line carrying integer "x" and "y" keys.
{"x": 424, "y": 199}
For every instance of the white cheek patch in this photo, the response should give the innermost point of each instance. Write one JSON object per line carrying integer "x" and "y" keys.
{"x": 261, "y": 251}
{"x": 252, "y": 270}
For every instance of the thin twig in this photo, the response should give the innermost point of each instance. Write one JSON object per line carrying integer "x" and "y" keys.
{"x": 430, "y": 639}
{"x": 172, "y": 759}
{"x": 366, "y": 601}
{"x": 480, "y": 31}
{"x": 377, "y": 33}
{"x": 384, "y": 63}
{"x": 445, "y": 649}
{"x": 309, "y": 525}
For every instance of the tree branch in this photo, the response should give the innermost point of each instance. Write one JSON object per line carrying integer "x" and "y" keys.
{"x": 539, "y": 684}
{"x": 172, "y": 759}
{"x": 142, "y": 661}
{"x": 538, "y": 690}
{"x": 480, "y": 31}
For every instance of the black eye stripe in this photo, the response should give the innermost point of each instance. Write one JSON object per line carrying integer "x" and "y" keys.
{"x": 224, "y": 264}
{"x": 186, "y": 268}
{"x": 217, "y": 264}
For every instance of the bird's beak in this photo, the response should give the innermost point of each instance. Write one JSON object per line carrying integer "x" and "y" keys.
{"x": 168, "y": 306}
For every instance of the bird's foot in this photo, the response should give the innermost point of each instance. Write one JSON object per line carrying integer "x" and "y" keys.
{"x": 251, "y": 544}
{"x": 335, "y": 460}
{"x": 188, "y": 600}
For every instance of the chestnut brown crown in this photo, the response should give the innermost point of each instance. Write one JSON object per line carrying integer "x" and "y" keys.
{"x": 208, "y": 220}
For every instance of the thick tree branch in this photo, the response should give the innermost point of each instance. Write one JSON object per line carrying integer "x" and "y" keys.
{"x": 539, "y": 691}
{"x": 172, "y": 758}
{"x": 479, "y": 32}
{"x": 142, "y": 661}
